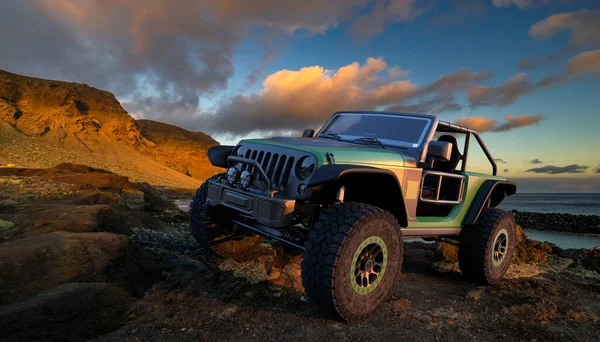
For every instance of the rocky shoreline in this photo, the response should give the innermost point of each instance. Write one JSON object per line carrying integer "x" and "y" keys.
{"x": 579, "y": 224}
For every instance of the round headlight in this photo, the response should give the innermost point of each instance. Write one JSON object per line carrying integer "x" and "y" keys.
{"x": 305, "y": 167}
{"x": 232, "y": 175}
{"x": 245, "y": 178}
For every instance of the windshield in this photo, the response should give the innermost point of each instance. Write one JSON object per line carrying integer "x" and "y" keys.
{"x": 388, "y": 128}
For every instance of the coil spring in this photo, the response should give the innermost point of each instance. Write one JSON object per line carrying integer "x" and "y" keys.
{"x": 292, "y": 235}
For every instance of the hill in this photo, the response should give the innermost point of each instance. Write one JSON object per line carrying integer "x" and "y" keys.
{"x": 46, "y": 122}
{"x": 178, "y": 148}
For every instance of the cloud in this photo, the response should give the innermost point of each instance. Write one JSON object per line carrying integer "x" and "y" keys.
{"x": 163, "y": 60}
{"x": 516, "y": 87}
{"x": 293, "y": 99}
{"x": 554, "y": 170}
{"x": 585, "y": 62}
{"x": 440, "y": 95}
{"x": 500, "y": 160}
{"x": 521, "y": 4}
{"x": 479, "y": 123}
{"x": 484, "y": 124}
{"x": 433, "y": 104}
{"x": 536, "y": 161}
{"x": 457, "y": 80}
{"x": 513, "y": 122}
{"x": 597, "y": 169}
{"x": 584, "y": 26}
{"x": 157, "y": 57}
{"x": 386, "y": 12}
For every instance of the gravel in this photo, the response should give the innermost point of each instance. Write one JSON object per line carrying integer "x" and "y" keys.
{"x": 178, "y": 242}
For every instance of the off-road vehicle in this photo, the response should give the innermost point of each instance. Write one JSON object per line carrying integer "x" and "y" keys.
{"x": 348, "y": 196}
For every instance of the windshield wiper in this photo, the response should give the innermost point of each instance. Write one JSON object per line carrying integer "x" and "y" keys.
{"x": 330, "y": 136}
{"x": 371, "y": 140}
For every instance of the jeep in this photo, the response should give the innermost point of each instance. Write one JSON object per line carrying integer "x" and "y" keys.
{"x": 347, "y": 196}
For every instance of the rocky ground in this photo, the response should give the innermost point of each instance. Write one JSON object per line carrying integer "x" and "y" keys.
{"x": 85, "y": 254}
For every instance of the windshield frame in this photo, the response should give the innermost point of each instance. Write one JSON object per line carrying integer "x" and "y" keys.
{"x": 386, "y": 142}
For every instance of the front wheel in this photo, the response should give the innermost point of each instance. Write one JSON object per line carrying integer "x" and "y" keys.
{"x": 486, "y": 248}
{"x": 351, "y": 259}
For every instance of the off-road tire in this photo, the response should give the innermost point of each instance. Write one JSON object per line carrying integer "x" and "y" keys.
{"x": 211, "y": 224}
{"x": 330, "y": 249}
{"x": 476, "y": 248}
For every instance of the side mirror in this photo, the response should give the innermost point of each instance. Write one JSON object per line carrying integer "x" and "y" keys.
{"x": 439, "y": 150}
{"x": 308, "y": 133}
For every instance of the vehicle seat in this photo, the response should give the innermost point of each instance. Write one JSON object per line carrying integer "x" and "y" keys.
{"x": 450, "y": 165}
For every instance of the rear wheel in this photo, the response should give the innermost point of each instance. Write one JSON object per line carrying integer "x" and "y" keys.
{"x": 213, "y": 229}
{"x": 351, "y": 259}
{"x": 487, "y": 247}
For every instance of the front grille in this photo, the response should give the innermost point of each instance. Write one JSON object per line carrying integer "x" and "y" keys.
{"x": 277, "y": 166}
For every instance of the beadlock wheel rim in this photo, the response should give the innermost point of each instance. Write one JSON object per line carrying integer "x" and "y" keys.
{"x": 368, "y": 265}
{"x": 500, "y": 247}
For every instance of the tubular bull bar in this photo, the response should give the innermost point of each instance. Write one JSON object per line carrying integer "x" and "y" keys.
{"x": 262, "y": 206}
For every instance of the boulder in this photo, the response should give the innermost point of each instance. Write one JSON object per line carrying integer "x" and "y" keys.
{"x": 532, "y": 251}
{"x": 577, "y": 254}
{"x": 39, "y": 262}
{"x": 447, "y": 251}
{"x": 86, "y": 178}
{"x": 593, "y": 259}
{"x": 520, "y": 234}
{"x": 68, "y": 312}
{"x": 71, "y": 216}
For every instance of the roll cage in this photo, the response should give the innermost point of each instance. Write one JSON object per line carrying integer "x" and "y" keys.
{"x": 443, "y": 126}
{"x": 435, "y": 126}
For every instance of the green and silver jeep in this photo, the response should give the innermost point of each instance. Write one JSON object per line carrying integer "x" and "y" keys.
{"x": 348, "y": 196}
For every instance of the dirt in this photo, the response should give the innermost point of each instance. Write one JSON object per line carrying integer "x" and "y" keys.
{"x": 217, "y": 303}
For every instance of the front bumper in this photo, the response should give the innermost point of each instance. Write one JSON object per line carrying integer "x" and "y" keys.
{"x": 272, "y": 212}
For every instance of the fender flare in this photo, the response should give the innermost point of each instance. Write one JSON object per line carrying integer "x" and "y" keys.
{"x": 327, "y": 178}
{"x": 333, "y": 172}
{"x": 492, "y": 191}
{"x": 218, "y": 155}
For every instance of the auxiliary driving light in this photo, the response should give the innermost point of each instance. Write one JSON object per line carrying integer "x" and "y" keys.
{"x": 302, "y": 189}
{"x": 245, "y": 178}
{"x": 232, "y": 175}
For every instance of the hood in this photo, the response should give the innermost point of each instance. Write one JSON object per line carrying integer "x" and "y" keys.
{"x": 344, "y": 152}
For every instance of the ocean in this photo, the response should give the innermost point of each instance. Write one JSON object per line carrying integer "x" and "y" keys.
{"x": 577, "y": 204}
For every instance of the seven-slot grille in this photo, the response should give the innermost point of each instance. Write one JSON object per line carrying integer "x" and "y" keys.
{"x": 277, "y": 166}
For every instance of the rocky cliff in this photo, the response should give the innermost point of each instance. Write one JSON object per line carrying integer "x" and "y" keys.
{"x": 45, "y": 122}
{"x": 178, "y": 148}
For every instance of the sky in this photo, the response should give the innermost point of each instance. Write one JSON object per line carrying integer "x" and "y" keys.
{"x": 525, "y": 73}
